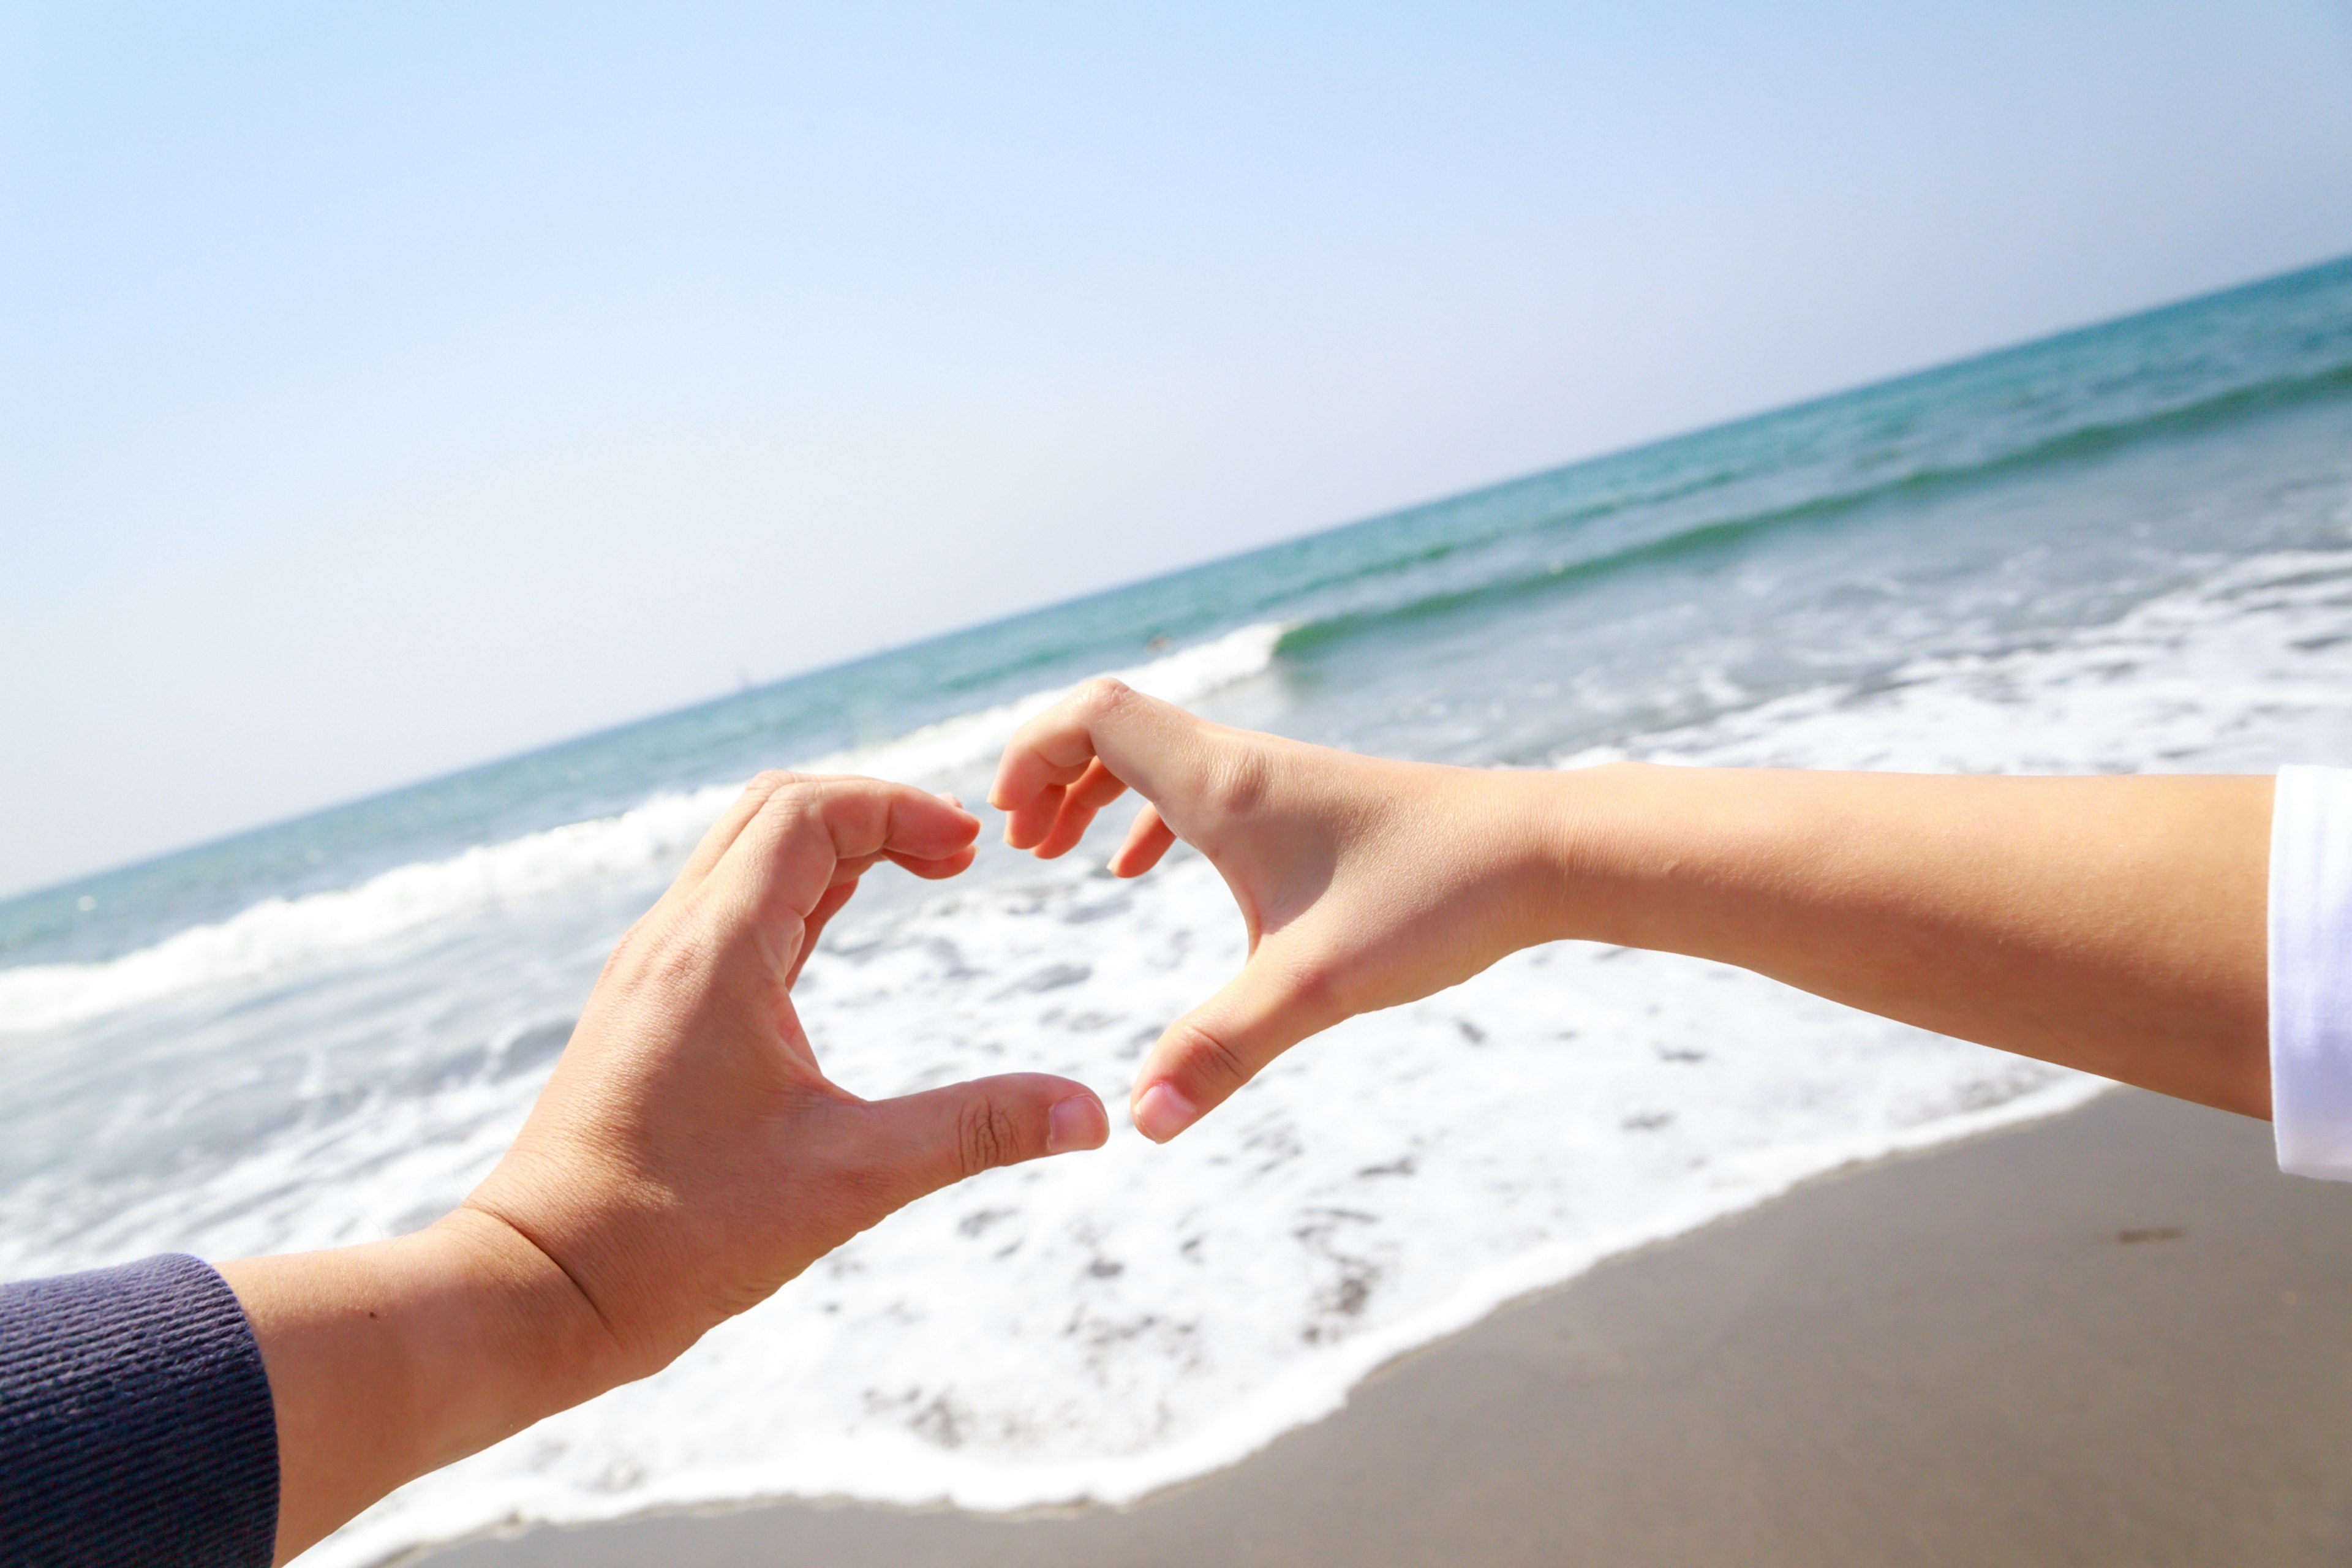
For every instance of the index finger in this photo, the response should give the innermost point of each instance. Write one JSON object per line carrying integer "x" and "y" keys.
{"x": 784, "y": 858}
{"x": 1141, "y": 742}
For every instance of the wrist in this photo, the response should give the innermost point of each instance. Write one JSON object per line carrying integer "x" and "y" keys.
{"x": 501, "y": 1332}
{"x": 450, "y": 1339}
{"x": 1573, "y": 851}
{"x": 1503, "y": 835}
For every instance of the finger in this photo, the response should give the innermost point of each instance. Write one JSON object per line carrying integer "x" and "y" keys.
{"x": 1028, "y": 823}
{"x": 1095, "y": 788}
{"x": 723, "y": 832}
{"x": 813, "y": 926}
{"x": 850, "y": 867}
{"x": 948, "y": 866}
{"x": 846, "y": 875}
{"x": 1226, "y": 1041}
{"x": 921, "y": 1142}
{"x": 1140, "y": 740}
{"x": 1147, "y": 841}
{"x": 934, "y": 868}
{"x": 788, "y": 853}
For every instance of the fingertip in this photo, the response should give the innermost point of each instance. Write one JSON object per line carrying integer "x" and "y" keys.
{"x": 928, "y": 826}
{"x": 1028, "y": 828}
{"x": 1075, "y": 1122}
{"x": 1162, "y": 1110}
{"x": 1148, "y": 837}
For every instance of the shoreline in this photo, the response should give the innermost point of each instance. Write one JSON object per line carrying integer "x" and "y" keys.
{"x": 2115, "y": 1333}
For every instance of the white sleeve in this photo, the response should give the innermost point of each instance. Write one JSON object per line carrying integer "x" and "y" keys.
{"x": 2311, "y": 972}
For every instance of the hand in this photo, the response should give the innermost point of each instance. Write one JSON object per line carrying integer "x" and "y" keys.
{"x": 687, "y": 1158}
{"x": 1364, "y": 883}
{"x": 688, "y": 1155}
{"x": 2114, "y": 925}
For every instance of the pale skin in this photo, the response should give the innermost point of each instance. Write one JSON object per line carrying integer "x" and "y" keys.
{"x": 688, "y": 1157}
{"x": 2114, "y": 924}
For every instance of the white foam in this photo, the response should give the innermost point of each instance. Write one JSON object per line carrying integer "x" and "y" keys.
{"x": 970, "y": 740}
{"x": 2242, "y": 671}
{"x": 279, "y": 934}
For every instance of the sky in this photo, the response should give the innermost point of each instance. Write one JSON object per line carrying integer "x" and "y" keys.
{"x": 387, "y": 389}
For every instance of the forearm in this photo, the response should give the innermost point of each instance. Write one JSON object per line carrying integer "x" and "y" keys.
{"x": 389, "y": 1359}
{"x": 2112, "y": 924}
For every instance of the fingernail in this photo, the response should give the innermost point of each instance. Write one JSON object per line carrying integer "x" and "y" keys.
{"x": 1160, "y": 1113}
{"x": 1076, "y": 1122}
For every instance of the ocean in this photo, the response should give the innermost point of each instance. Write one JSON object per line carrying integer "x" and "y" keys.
{"x": 2126, "y": 549}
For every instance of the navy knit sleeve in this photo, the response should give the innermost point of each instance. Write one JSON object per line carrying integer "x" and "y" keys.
{"x": 135, "y": 1423}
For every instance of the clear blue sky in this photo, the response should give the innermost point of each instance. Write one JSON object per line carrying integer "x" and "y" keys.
{"x": 383, "y": 389}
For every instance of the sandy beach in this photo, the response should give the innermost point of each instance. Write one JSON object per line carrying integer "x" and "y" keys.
{"x": 2115, "y": 1337}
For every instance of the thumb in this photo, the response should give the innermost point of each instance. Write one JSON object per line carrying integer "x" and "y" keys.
{"x": 921, "y": 1142}
{"x": 1209, "y": 1052}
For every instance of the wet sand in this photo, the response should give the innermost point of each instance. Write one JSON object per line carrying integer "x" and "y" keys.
{"x": 2118, "y": 1337}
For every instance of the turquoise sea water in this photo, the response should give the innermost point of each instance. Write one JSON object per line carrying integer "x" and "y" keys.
{"x": 2128, "y": 548}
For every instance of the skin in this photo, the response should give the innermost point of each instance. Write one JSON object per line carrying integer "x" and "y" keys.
{"x": 2112, "y": 924}
{"x": 688, "y": 1157}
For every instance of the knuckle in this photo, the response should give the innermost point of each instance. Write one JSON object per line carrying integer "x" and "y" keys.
{"x": 791, "y": 800}
{"x": 772, "y": 783}
{"x": 624, "y": 954}
{"x": 647, "y": 951}
{"x": 1313, "y": 986}
{"x": 1236, "y": 784}
{"x": 668, "y": 956}
{"x": 1208, "y": 1055}
{"x": 1320, "y": 988}
{"x": 1105, "y": 693}
{"x": 985, "y": 1135}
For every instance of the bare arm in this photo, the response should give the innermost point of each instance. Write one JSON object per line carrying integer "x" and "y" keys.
{"x": 688, "y": 1157}
{"x": 2114, "y": 924}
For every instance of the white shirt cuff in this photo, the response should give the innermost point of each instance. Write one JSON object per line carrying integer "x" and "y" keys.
{"x": 2311, "y": 972}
